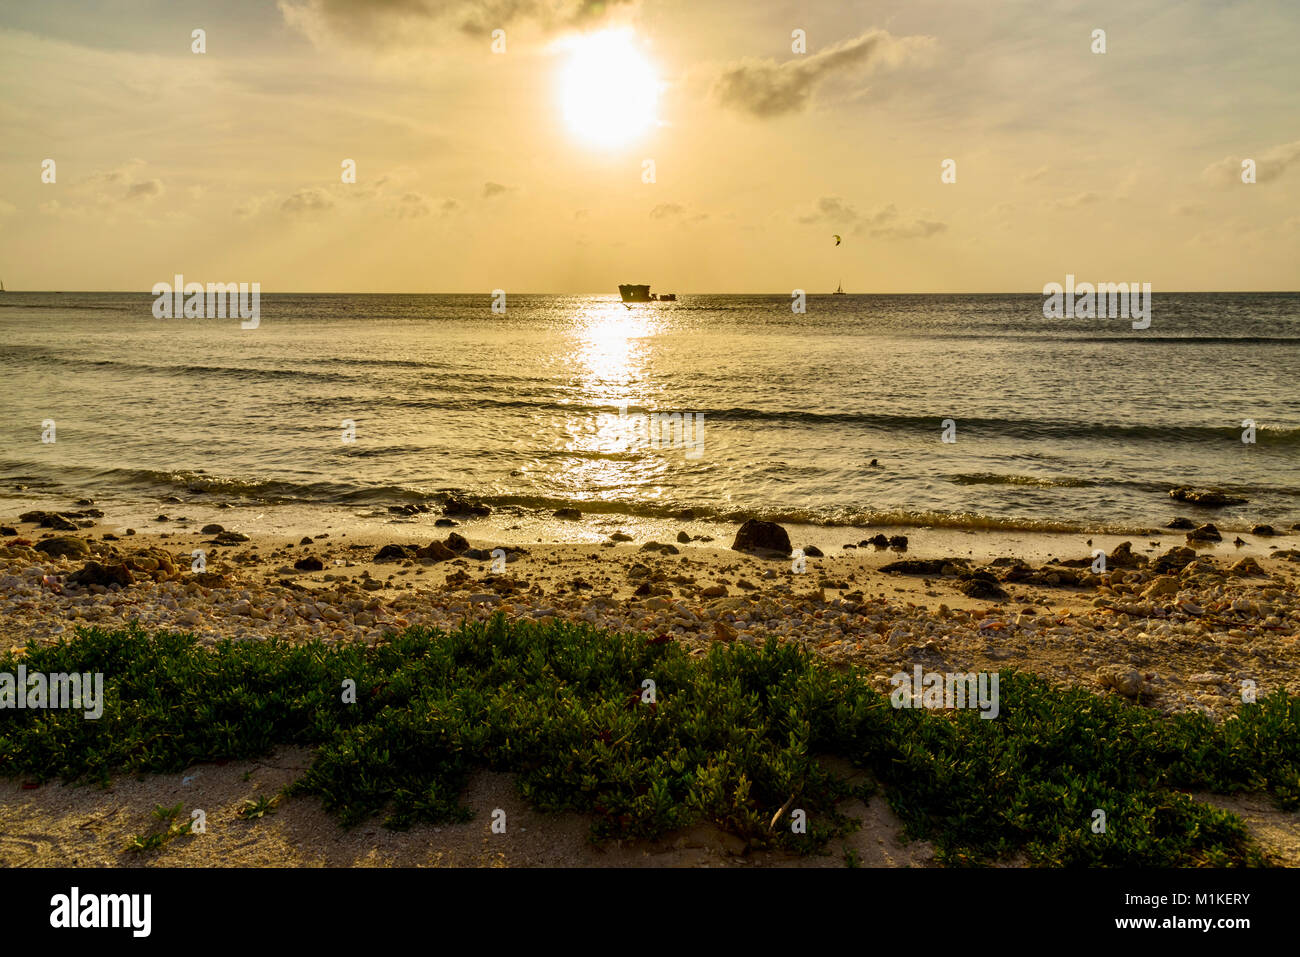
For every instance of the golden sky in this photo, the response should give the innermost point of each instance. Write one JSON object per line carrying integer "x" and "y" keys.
{"x": 478, "y": 170}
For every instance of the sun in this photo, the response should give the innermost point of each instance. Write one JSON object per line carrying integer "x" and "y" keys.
{"x": 609, "y": 92}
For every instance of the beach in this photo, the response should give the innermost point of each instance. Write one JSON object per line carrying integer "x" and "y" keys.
{"x": 1188, "y": 635}
{"x": 1177, "y": 628}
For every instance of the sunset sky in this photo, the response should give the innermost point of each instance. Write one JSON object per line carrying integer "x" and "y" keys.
{"x": 479, "y": 170}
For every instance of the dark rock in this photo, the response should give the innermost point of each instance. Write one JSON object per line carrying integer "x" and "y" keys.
{"x": 232, "y": 538}
{"x": 1204, "y": 497}
{"x": 683, "y": 538}
{"x": 52, "y": 520}
{"x": 478, "y": 554}
{"x": 812, "y": 551}
{"x": 305, "y": 540}
{"x": 898, "y": 543}
{"x": 394, "y": 553}
{"x": 664, "y": 549}
{"x": 1181, "y": 523}
{"x": 457, "y": 543}
{"x": 982, "y": 589}
{"x": 212, "y": 528}
{"x": 407, "y": 509}
{"x": 460, "y": 506}
{"x": 94, "y": 573}
{"x": 436, "y": 551}
{"x": 309, "y": 564}
{"x": 620, "y": 537}
{"x": 445, "y": 522}
{"x": 878, "y": 542}
{"x": 1018, "y": 572}
{"x": 1263, "y": 530}
{"x": 62, "y": 545}
{"x": 1175, "y": 559}
{"x": 569, "y": 513}
{"x": 686, "y": 515}
{"x": 8, "y": 530}
{"x": 758, "y": 536}
{"x": 849, "y": 546}
{"x": 162, "y": 518}
{"x": 85, "y": 501}
{"x": 1122, "y": 557}
{"x": 916, "y": 566}
{"x": 1206, "y": 533}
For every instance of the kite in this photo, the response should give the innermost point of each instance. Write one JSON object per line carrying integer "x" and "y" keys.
{"x": 837, "y": 238}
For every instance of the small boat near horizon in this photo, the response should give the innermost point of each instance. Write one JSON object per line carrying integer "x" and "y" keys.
{"x": 839, "y": 290}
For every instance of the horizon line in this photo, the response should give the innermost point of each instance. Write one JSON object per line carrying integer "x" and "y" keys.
{"x": 489, "y": 293}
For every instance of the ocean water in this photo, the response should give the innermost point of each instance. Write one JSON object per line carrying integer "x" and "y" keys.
{"x": 1069, "y": 424}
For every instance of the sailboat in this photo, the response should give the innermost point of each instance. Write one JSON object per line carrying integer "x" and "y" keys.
{"x": 2, "y": 285}
{"x": 839, "y": 290}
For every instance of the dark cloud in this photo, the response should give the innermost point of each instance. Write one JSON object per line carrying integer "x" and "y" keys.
{"x": 391, "y": 23}
{"x": 147, "y": 189}
{"x": 666, "y": 211}
{"x": 767, "y": 88}
{"x": 494, "y": 189}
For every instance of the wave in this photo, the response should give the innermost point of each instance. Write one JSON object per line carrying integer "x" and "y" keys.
{"x": 993, "y": 478}
{"x": 202, "y": 486}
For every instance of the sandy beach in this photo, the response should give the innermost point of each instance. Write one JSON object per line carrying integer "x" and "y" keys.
{"x": 1174, "y": 627}
{"x": 1173, "y": 633}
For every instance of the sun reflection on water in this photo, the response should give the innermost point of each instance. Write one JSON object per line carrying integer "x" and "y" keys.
{"x": 611, "y": 350}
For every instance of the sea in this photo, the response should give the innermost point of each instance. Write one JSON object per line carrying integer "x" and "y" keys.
{"x": 954, "y": 411}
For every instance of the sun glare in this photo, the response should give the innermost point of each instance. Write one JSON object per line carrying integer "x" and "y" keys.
{"x": 609, "y": 91}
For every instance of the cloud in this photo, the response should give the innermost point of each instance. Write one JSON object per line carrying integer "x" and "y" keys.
{"x": 666, "y": 211}
{"x": 412, "y": 206}
{"x": 495, "y": 189}
{"x": 882, "y": 223}
{"x": 1077, "y": 200}
{"x": 384, "y": 24}
{"x": 768, "y": 88}
{"x": 916, "y": 229}
{"x": 307, "y": 201}
{"x": 1269, "y": 165}
{"x": 1034, "y": 175}
{"x": 831, "y": 209}
{"x": 145, "y": 190}
{"x": 419, "y": 205}
{"x": 115, "y": 187}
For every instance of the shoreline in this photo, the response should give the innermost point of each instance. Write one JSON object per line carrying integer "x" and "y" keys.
{"x": 1182, "y": 638}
